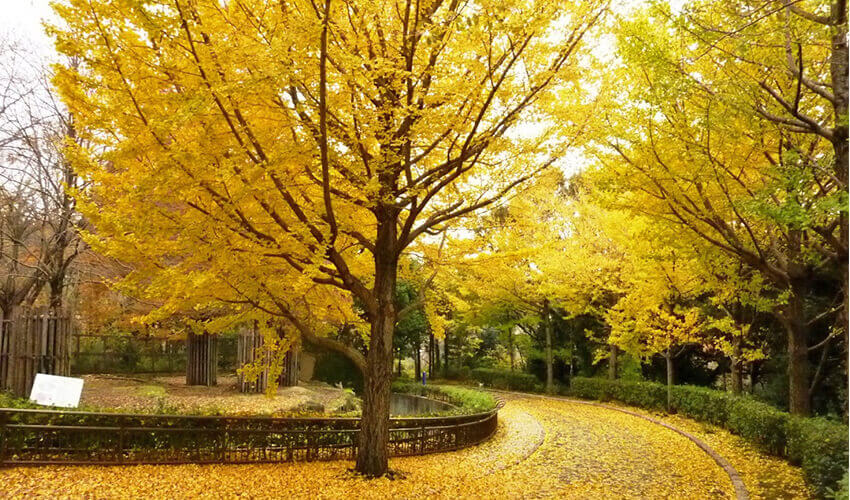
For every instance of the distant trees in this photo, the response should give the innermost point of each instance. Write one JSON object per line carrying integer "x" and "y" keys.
{"x": 734, "y": 133}
{"x": 39, "y": 239}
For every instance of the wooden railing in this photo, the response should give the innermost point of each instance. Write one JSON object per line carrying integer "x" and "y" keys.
{"x": 35, "y": 437}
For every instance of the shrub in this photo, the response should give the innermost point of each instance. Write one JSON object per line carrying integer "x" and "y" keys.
{"x": 505, "y": 379}
{"x": 759, "y": 423}
{"x": 7, "y": 400}
{"x": 335, "y": 368}
{"x": 819, "y": 446}
{"x": 462, "y": 373}
{"x": 843, "y": 489}
{"x": 642, "y": 394}
{"x": 701, "y": 403}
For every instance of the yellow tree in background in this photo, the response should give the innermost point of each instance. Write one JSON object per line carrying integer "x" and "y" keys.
{"x": 731, "y": 130}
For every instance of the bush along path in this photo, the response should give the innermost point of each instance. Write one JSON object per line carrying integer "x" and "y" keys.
{"x": 817, "y": 445}
{"x": 544, "y": 448}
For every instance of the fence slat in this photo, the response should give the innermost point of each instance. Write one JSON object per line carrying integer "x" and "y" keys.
{"x": 31, "y": 341}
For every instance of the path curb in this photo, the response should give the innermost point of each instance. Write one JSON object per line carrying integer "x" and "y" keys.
{"x": 741, "y": 492}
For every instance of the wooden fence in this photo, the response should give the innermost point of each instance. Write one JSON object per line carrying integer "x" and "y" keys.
{"x": 33, "y": 341}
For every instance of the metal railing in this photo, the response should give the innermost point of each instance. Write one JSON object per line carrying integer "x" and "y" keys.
{"x": 36, "y": 437}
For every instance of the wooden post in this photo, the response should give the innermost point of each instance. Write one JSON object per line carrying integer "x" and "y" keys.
{"x": 291, "y": 367}
{"x": 32, "y": 341}
{"x": 249, "y": 349}
{"x": 202, "y": 356}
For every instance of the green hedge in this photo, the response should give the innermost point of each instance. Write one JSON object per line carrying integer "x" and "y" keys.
{"x": 817, "y": 445}
{"x": 759, "y": 423}
{"x": 506, "y": 379}
{"x": 643, "y": 394}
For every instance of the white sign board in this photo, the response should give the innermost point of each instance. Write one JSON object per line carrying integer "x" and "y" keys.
{"x": 53, "y": 390}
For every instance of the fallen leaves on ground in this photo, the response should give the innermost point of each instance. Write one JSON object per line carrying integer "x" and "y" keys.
{"x": 765, "y": 476}
{"x": 171, "y": 394}
{"x": 542, "y": 449}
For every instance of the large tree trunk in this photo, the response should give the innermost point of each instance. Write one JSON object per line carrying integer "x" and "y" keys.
{"x": 56, "y": 289}
{"x": 372, "y": 453}
{"x": 436, "y": 356}
{"x": 446, "y": 355}
{"x": 431, "y": 355}
{"x": 668, "y": 357}
{"x": 840, "y": 75}
{"x": 511, "y": 347}
{"x": 417, "y": 362}
{"x": 547, "y": 325}
{"x": 737, "y": 368}
{"x": 612, "y": 362}
{"x": 792, "y": 317}
{"x": 754, "y": 374}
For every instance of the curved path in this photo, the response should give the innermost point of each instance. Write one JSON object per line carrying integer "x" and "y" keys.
{"x": 544, "y": 448}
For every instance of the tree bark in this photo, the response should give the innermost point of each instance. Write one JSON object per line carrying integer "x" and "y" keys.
{"x": 511, "y": 346}
{"x": 839, "y": 75}
{"x": 612, "y": 362}
{"x": 430, "y": 355}
{"x": 417, "y": 362}
{"x": 793, "y": 319}
{"x": 668, "y": 357}
{"x": 446, "y": 355}
{"x": 437, "y": 360}
{"x": 547, "y": 325}
{"x": 372, "y": 453}
{"x": 754, "y": 367}
{"x": 737, "y": 368}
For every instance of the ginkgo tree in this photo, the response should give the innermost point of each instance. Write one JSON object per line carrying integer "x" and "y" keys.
{"x": 728, "y": 133}
{"x": 657, "y": 314}
{"x": 509, "y": 272}
{"x": 282, "y": 157}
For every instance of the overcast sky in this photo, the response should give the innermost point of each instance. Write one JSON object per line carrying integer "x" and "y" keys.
{"x": 21, "y": 20}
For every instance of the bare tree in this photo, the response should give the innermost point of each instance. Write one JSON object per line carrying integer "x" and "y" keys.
{"x": 39, "y": 223}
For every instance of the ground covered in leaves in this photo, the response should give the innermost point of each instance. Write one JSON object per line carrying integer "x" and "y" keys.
{"x": 544, "y": 448}
{"x": 170, "y": 394}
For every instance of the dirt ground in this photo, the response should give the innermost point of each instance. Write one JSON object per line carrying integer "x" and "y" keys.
{"x": 170, "y": 393}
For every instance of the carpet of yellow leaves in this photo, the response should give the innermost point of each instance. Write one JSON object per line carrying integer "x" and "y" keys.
{"x": 543, "y": 448}
{"x": 764, "y": 475}
{"x": 136, "y": 395}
